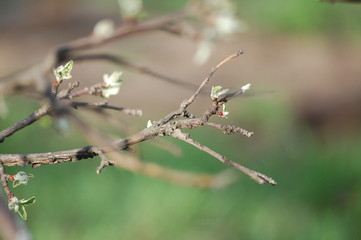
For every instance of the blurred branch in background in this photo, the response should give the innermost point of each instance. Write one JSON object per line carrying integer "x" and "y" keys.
{"x": 307, "y": 133}
{"x": 217, "y": 18}
{"x": 10, "y": 227}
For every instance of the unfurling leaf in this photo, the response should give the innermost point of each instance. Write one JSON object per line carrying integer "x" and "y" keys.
{"x": 63, "y": 72}
{"x": 22, "y": 212}
{"x": 27, "y": 202}
{"x": 21, "y": 178}
{"x": 217, "y": 91}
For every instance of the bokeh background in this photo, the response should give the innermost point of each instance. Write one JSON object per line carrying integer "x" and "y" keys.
{"x": 303, "y": 59}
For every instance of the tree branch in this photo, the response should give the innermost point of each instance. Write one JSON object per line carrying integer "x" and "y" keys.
{"x": 132, "y": 66}
{"x": 258, "y": 177}
{"x": 189, "y": 101}
{"x": 33, "y": 78}
{"x": 25, "y": 122}
{"x": 4, "y": 182}
{"x": 104, "y": 105}
{"x": 228, "y": 129}
{"x": 163, "y": 127}
{"x": 181, "y": 111}
{"x": 154, "y": 170}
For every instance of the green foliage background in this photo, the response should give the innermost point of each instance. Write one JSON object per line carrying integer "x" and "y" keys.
{"x": 318, "y": 196}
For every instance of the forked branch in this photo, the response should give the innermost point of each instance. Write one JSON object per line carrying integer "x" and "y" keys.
{"x": 170, "y": 125}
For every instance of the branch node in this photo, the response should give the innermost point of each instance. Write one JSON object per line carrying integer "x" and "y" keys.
{"x": 104, "y": 160}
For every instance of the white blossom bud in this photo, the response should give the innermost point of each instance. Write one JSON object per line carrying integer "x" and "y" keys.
{"x": 111, "y": 84}
{"x": 13, "y": 204}
{"x": 149, "y": 124}
{"x": 130, "y": 8}
{"x": 246, "y": 87}
{"x": 103, "y": 29}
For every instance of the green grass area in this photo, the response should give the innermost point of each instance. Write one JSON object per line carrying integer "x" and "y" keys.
{"x": 317, "y": 196}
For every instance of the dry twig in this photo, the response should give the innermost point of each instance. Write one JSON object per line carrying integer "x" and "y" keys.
{"x": 167, "y": 126}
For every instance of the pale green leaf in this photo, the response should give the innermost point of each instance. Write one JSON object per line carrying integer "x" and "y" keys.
{"x": 27, "y": 202}
{"x": 22, "y": 212}
{"x": 16, "y": 183}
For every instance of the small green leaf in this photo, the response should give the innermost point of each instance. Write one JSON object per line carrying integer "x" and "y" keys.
{"x": 22, "y": 212}
{"x": 217, "y": 91}
{"x": 223, "y": 92}
{"x": 21, "y": 178}
{"x": 63, "y": 72}
{"x": 68, "y": 67}
{"x": 16, "y": 183}
{"x": 27, "y": 202}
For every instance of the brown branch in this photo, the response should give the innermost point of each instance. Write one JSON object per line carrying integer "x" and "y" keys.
{"x": 154, "y": 170}
{"x": 182, "y": 110}
{"x": 10, "y": 229}
{"x": 74, "y": 154}
{"x": 167, "y": 146}
{"x": 189, "y": 101}
{"x": 164, "y": 127}
{"x": 4, "y": 182}
{"x": 168, "y": 129}
{"x": 127, "y": 30}
{"x": 25, "y": 122}
{"x": 132, "y": 66}
{"x": 104, "y": 160}
{"x": 228, "y": 129}
{"x": 33, "y": 78}
{"x": 104, "y": 105}
{"x": 88, "y": 151}
{"x": 258, "y": 177}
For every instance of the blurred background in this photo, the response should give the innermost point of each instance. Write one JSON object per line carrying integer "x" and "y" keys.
{"x": 303, "y": 59}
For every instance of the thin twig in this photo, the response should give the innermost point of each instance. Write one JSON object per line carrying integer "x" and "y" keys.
{"x": 126, "y": 30}
{"x": 189, "y": 101}
{"x": 4, "y": 182}
{"x": 25, "y": 122}
{"x": 228, "y": 129}
{"x": 88, "y": 151}
{"x": 33, "y": 78}
{"x": 132, "y": 66}
{"x": 181, "y": 111}
{"x": 258, "y": 177}
{"x": 168, "y": 146}
{"x": 104, "y": 105}
{"x": 154, "y": 170}
{"x": 164, "y": 127}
